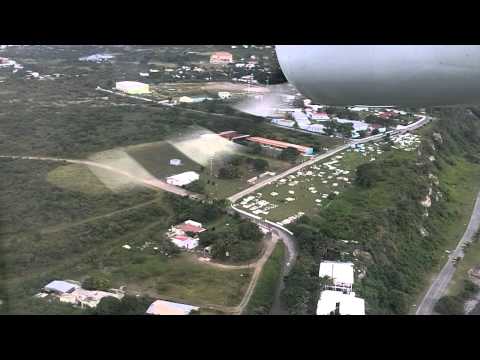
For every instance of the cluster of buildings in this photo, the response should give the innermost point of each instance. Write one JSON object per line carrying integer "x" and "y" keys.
{"x": 185, "y": 235}
{"x": 313, "y": 117}
{"x": 71, "y": 292}
{"x": 264, "y": 142}
{"x": 337, "y": 297}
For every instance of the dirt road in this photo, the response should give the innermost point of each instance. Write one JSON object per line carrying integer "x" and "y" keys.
{"x": 151, "y": 182}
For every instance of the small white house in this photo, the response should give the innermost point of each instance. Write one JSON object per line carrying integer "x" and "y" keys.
{"x": 185, "y": 242}
{"x": 175, "y": 162}
{"x": 224, "y": 95}
{"x": 340, "y": 273}
{"x": 60, "y": 287}
{"x": 183, "y": 178}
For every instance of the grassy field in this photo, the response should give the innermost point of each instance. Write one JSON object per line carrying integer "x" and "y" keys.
{"x": 155, "y": 158}
{"x": 76, "y": 177}
{"x": 264, "y": 293}
{"x": 84, "y": 234}
{"x": 184, "y": 279}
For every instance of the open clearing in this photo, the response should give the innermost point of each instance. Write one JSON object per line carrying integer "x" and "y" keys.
{"x": 76, "y": 177}
{"x": 185, "y": 279}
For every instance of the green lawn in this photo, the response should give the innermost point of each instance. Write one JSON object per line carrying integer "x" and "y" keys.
{"x": 76, "y": 177}
{"x": 185, "y": 279}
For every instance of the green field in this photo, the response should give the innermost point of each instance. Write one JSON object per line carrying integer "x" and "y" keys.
{"x": 77, "y": 178}
{"x": 185, "y": 279}
{"x": 72, "y": 234}
{"x": 155, "y": 159}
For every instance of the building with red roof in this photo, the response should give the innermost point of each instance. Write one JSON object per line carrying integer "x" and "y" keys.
{"x": 280, "y": 144}
{"x": 221, "y": 57}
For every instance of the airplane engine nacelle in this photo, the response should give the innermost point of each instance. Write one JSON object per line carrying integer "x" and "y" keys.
{"x": 405, "y": 75}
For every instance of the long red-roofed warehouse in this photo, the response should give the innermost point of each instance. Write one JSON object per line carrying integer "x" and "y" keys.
{"x": 280, "y": 144}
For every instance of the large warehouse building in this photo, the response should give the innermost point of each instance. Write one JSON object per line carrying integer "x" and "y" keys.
{"x": 132, "y": 87}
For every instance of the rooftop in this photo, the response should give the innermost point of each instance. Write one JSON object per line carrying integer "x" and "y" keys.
{"x": 341, "y": 273}
{"x": 348, "y": 304}
{"x": 161, "y": 307}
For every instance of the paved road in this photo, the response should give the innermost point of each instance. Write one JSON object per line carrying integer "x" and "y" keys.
{"x": 321, "y": 157}
{"x": 440, "y": 284}
{"x": 288, "y": 240}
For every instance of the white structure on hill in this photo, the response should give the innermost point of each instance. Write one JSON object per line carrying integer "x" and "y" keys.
{"x": 132, "y": 87}
{"x": 161, "y": 307}
{"x": 340, "y": 273}
{"x": 175, "y": 162}
{"x": 338, "y": 297}
{"x": 183, "y": 178}
{"x": 335, "y": 302}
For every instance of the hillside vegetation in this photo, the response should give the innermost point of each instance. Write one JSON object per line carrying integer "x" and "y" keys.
{"x": 381, "y": 225}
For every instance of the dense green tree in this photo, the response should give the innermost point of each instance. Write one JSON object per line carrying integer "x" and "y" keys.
{"x": 289, "y": 154}
{"x": 108, "y": 306}
{"x": 97, "y": 282}
{"x": 229, "y": 172}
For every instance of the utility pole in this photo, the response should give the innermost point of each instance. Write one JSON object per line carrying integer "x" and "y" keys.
{"x": 211, "y": 163}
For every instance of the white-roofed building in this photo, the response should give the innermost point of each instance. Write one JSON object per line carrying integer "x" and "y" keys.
{"x": 60, "y": 287}
{"x": 283, "y": 122}
{"x": 224, "y": 95}
{"x": 185, "y": 242}
{"x": 161, "y": 307}
{"x": 317, "y": 128}
{"x": 299, "y": 116}
{"x": 358, "y": 108}
{"x": 319, "y": 116}
{"x": 132, "y": 87}
{"x": 183, "y": 178}
{"x": 335, "y": 302}
{"x": 340, "y": 273}
{"x": 357, "y": 125}
{"x": 175, "y": 162}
